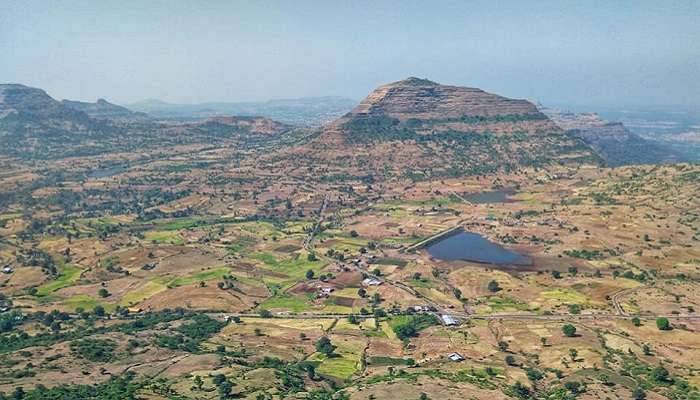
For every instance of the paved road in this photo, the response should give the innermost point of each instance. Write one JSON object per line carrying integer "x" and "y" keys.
{"x": 459, "y": 315}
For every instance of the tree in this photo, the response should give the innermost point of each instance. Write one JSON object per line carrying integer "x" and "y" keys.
{"x": 218, "y": 379}
{"x": 405, "y": 331}
{"x": 424, "y": 396}
{"x": 543, "y": 340}
{"x": 660, "y": 374}
{"x": 493, "y": 287}
{"x": 575, "y": 308}
{"x": 503, "y": 346}
{"x": 103, "y": 292}
{"x": 568, "y": 330}
{"x": 663, "y": 324}
{"x": 352, "y": 319}
{"x": 198, "y": 382}
{"x": 639, "y": 394}
{"x": 225, "y": 389}
{"x": 99, "y": 311}
{"x": 361, "y": 292}
{"x": 533, "y": 374}
{"x": 265, "y": 314}
{"x": 312, "y": 257}
{"x": 310, "y": 274}
{"x": 636, "y": 321}
{"x": 324, "y": 346}
{"x": 457, "y": 293}
{"x": 556, "y": 274}
{"x": 646, "y": 349}
{"x": 354, "y": 234}
{"x": 18, "y": 394}
{"x": 510, "y": 360}
{"x": 573, "y": 386}
{"x": 521, "y": 391}
{"x": 573, "y": 353}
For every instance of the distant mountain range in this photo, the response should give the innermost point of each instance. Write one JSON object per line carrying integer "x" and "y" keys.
{"x": 104, "y": 110}
{"x": 312, "y": 111}
{"x": 35, "y": 125}
{"x": 413, "y": 126}
{"x": 612, "y": 140}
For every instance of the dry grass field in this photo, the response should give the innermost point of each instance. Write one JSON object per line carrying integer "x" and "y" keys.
{"x": 205, "y": 266}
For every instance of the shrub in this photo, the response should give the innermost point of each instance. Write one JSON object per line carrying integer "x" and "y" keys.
{"x": 568, "y": 330}
{"x": 663, "y": 324}
{"x": 97, "y": 350}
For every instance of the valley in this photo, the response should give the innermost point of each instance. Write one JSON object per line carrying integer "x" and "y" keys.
{"x": 240, "y": 257}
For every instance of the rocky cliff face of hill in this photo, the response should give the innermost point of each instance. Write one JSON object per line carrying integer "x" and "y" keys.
{"x": 615, "y": 144}
{"x": 26, "y": 105}
{"x": 421, "y": 99}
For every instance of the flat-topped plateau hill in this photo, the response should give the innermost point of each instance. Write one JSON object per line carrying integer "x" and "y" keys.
{"x": 419, "y": 128}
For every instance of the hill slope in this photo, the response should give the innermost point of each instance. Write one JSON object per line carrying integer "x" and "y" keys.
{"x": 418, "y": 129}
{"x": 102, "y": 109}
{"x": 34, "y": 125}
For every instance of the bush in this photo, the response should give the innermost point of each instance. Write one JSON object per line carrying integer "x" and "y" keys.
{"x": 663, "y": 324}
{"x": 325, "y": 346}
{"x": 97, "y": 350}
{"x": 568, "y": 330}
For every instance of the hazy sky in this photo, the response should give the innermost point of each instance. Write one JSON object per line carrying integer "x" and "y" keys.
{"x": 579, "y": 52}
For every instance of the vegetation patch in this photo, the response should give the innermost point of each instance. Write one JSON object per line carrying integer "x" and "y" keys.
{"x": 67, "y": 277}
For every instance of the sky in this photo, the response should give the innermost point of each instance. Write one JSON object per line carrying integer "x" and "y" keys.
{"x": 603, "y": 53}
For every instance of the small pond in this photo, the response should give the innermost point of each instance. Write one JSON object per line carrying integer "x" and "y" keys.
{"x": 107, "y": 171}
{"x": 470, "y": 246}
{"x": 494, "y": 196}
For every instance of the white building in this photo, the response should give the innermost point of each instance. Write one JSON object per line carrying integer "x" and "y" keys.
{"x": 449, "y": 320}
{"x": 371, "y": 282}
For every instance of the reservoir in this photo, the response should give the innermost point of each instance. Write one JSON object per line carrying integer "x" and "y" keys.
{"x": 495, "y": 196}
{"x": 108, "y": 171}
{"x": 470, "y": 246}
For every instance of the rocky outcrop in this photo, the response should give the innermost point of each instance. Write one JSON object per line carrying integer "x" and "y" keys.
{"x": 254, "y": 125}
{"x": 415, "y": 98}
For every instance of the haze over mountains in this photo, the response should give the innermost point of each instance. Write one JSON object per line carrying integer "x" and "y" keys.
{"x": 469, "y": 129}
{"x": 612, "y": 140}
{"x": 102, "y": 109}
{"x": 311, "y": 111}
{"x": 35, "y": 125}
